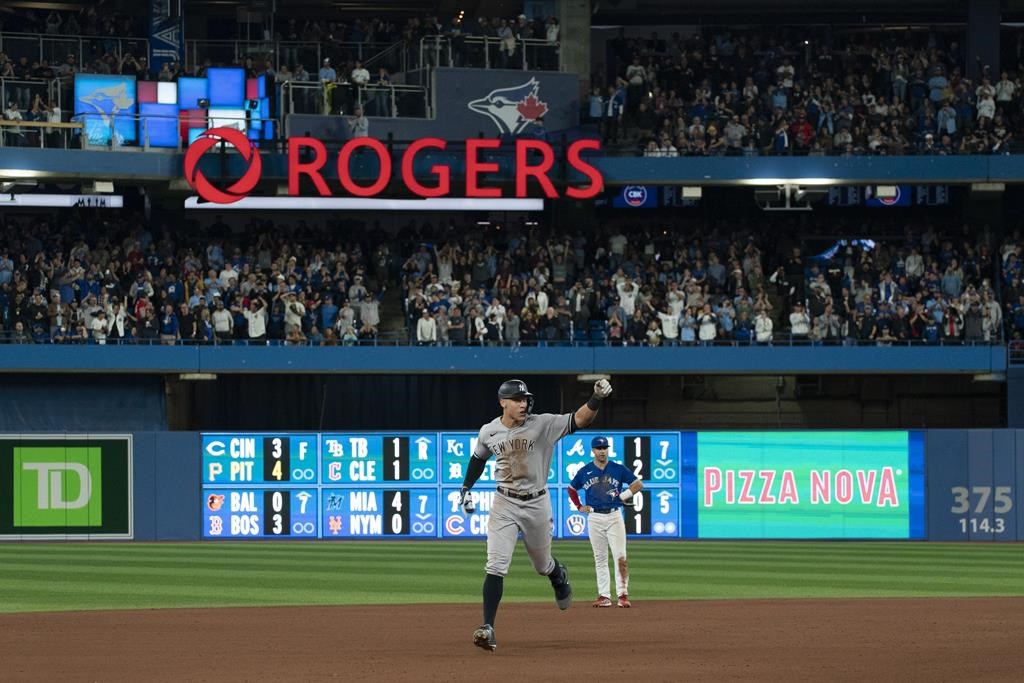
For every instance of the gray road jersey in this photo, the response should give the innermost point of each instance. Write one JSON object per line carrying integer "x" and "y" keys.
{"x": 522, "y": 454}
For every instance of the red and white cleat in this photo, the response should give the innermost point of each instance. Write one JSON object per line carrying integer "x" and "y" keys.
{"x": 602, "y": 601}
{"x": 624, "y": 601}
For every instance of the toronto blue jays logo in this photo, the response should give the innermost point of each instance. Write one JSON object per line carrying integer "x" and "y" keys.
{"x": 100, "y": 107}
{"x": 512, "y": 109}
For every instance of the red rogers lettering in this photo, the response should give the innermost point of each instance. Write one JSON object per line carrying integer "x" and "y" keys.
{"x": 308, "y": 157}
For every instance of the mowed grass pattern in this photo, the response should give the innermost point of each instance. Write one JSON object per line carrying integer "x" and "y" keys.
{"x": 88, "y": 576}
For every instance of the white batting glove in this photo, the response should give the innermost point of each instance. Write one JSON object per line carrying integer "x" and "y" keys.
{"x": 626, "y": 496}
{"x": 602, "y": 388}
{"x": 468, "y": 506}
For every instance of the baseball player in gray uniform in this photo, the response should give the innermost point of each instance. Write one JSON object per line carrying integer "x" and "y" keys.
{"x": 522, "y": 444}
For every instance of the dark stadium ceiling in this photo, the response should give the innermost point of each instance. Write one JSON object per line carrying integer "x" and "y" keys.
{"x": 605, "y": 12}
{"x": 703, "y": 12}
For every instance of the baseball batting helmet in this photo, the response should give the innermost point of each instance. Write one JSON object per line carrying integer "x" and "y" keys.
{"x": 513, "y": 388}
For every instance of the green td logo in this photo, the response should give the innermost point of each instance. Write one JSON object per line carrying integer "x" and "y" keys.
{"x": 58, "y": 487}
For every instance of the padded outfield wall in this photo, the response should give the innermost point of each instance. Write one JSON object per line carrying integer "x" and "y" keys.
{"x": 940, "y": 485}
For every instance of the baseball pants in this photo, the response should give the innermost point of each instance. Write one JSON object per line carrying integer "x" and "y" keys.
{"x": 608, "y": 530}
{"x": 508, "y": 518}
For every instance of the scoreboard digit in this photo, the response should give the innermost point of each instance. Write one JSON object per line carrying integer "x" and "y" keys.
{"x": 277, "y": 520}
{"x": 396, "y": 513}
{"x": 637, "y": 455}
{"x": 276, "y": 460}
{"x": 638, "y": 516}
{"x": 396, "y": 459}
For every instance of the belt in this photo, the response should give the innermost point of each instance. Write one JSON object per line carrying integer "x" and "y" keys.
{"x": 521, "y": 496}
{"x": 605, "y": 511}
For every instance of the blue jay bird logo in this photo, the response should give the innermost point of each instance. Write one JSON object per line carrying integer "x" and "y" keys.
{"x": 108, "y": 102}
{"x": 512, "y": 109}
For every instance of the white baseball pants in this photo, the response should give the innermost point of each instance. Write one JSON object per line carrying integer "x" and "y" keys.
{"x": 608, "y": 530}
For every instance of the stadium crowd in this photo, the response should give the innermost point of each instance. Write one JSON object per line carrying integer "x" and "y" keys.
{"x": 730, "y": 92}
{"x": 77, "y": 281}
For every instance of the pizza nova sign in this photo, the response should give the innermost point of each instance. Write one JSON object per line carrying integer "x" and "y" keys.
{"x": 308, "y": 158}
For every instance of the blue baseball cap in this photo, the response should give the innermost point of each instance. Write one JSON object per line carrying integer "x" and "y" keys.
{"x": 599, "y": 442}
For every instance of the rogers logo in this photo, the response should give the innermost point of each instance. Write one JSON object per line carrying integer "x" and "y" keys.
{"x": 241, "y": 187}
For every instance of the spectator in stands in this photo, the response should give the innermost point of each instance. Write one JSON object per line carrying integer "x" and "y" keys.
{"x": 382, "y": 93}
{"x": 327, "y": 74}
{"x": 359, "y": 125}
{"x": 359, "y": 77}
{"x": 800, "y": 322}
{"x": 763, "y": 327}
{"x": 256, "y": 319}
{"x": 20, "y": 336}
{"x": 426, "y": 329}
{"x": 14, "y": 135}
{"x": 169, "y": 330}
{"x": 223, "y": 321}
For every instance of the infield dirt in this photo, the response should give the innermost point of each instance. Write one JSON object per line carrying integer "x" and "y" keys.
{"x": 866, "y": 639}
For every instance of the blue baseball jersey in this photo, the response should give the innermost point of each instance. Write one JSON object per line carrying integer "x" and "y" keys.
{"x": 601, "y": 488}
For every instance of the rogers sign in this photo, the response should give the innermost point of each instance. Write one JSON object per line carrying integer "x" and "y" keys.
{"x": 527, "y": 166}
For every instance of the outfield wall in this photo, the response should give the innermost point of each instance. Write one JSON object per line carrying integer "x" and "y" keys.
{"x": 940, "y": 485}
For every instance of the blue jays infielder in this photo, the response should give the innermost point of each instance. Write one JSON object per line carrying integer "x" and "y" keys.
{"x": 607, "y": 487}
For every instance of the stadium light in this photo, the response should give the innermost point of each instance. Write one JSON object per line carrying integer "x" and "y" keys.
{"x": 371, "y": 204}
{"x": 790, "y": 181}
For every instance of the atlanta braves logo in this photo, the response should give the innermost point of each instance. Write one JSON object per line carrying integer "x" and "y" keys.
{"x": 512, "y": 109}
{"x": 241, "y": 187}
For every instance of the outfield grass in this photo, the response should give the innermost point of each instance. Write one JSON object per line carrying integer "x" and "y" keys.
{"x": 85, "y": 576}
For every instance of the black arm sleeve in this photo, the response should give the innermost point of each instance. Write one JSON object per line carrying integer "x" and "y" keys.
{"x": 473, "y": 471}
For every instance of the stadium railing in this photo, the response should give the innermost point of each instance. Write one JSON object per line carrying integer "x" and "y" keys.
{"x": 485, "y": 51}
{"x": 1015, "y": 352}
{"x": 396, "y": 339}
{"x": 56, "y": 49}
{"x": 39, "y": 134}
{"x": 23, "y": 91}
{"x": 309, "y": 53}
{"x": 307, "y": 97}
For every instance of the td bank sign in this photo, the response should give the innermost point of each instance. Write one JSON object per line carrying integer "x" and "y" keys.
{"x": 58, "y": 488}
{"x": 66, "y": 486}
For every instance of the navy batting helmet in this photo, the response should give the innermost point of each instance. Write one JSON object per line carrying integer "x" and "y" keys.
{"x": 513, "y": 388}
{"x": 599, "y": 442}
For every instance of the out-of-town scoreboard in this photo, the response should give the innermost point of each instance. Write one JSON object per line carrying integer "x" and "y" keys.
{"x": 697, "y": 485}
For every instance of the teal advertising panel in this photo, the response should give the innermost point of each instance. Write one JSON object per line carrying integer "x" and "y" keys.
{"x": 809, "y": 485}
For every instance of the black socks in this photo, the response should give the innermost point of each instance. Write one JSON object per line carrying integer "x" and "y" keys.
{"x": 493, "y": 586}
{"x": 557, "y": 576}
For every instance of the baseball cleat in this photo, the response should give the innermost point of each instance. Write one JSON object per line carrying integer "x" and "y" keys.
{"x": 624, "y": 601}
{"x": 602, "y": 601}
{"x": 563, "y": 591}
{"x": 483, "y": 637}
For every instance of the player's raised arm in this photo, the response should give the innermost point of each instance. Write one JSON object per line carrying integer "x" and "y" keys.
{"x": 475, "y": 468}
{"x": 588, "y": 411}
